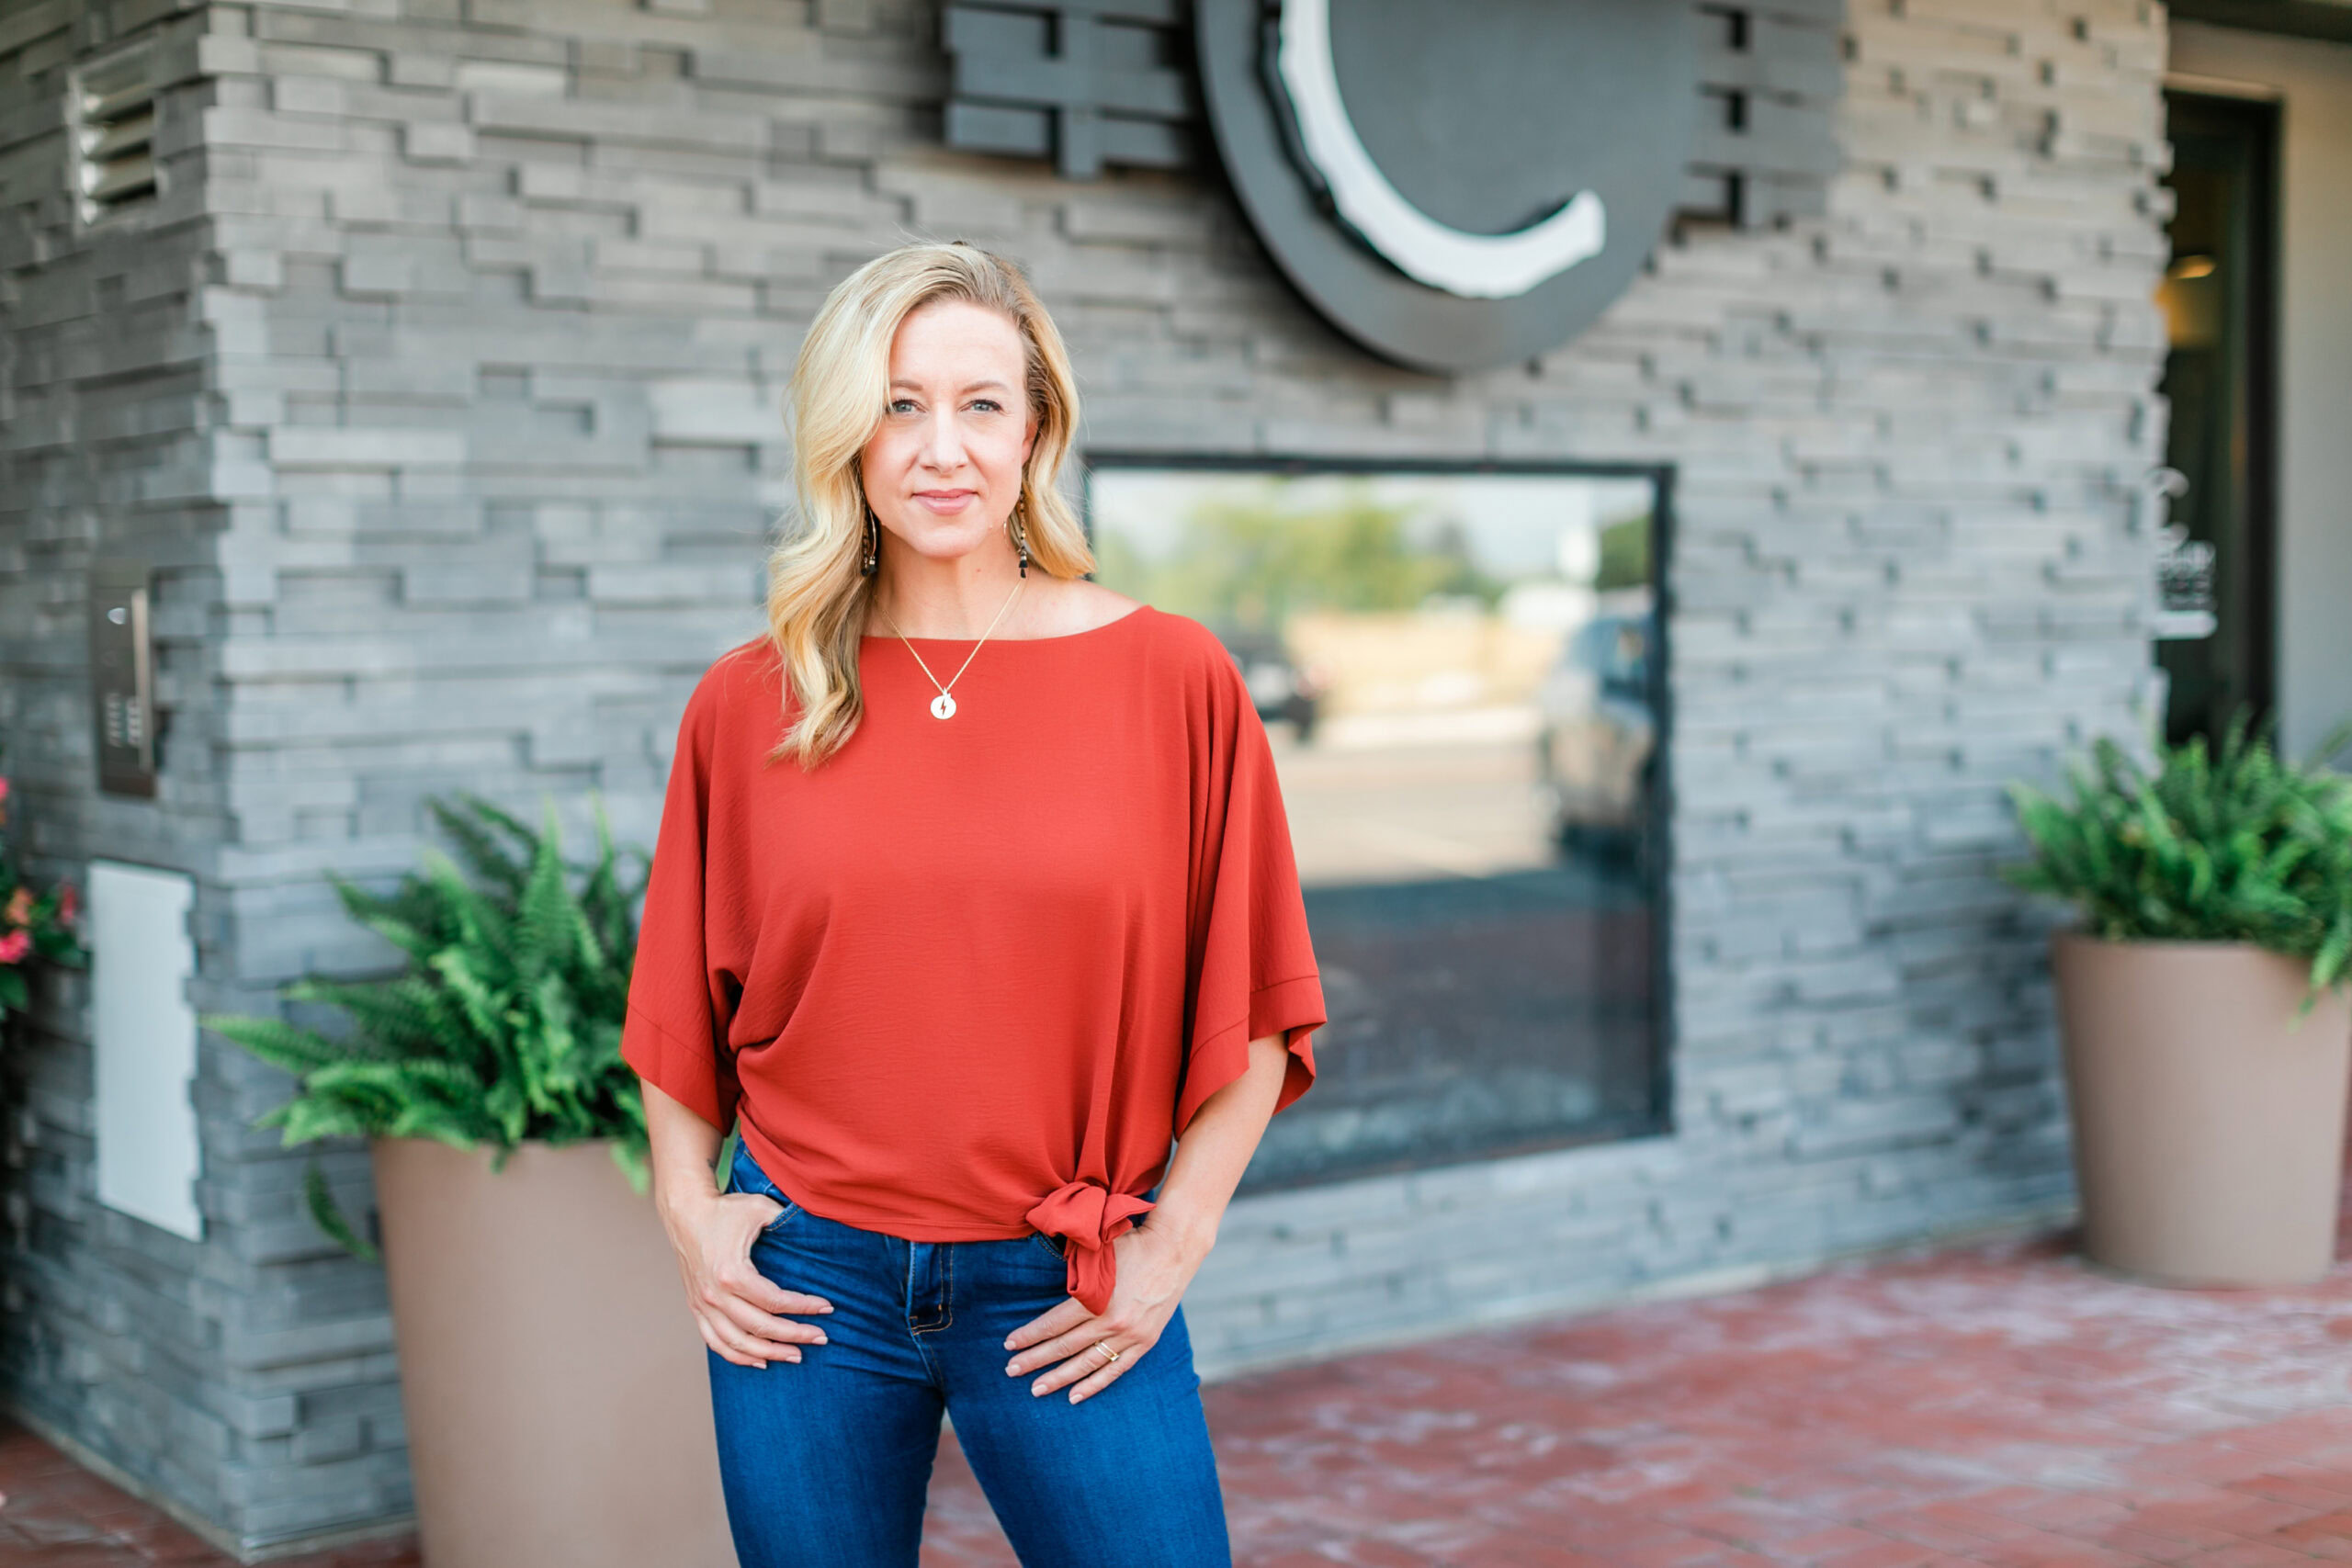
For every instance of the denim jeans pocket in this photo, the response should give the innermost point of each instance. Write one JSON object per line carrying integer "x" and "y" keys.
{"x": 1053, "y": 1244}
{"x": 745, "y": 1175}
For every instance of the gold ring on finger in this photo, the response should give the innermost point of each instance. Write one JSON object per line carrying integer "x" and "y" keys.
{"x": 1105, "y": 1346}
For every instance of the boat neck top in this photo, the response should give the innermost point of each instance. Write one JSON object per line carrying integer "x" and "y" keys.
{"x": 888, "y": 635}
{"x": 969, "y": 978}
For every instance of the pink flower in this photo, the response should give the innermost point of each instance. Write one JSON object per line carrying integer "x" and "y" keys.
{"x": 15, "y": 945}
{"x": 19, "y": 911}
{"x": 3, "y": 786}
{"x": 68, "y": 900}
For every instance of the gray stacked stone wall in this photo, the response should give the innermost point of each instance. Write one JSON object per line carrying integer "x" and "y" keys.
{"x": 482, "y": 427}
{"x": 113, "y": 1332}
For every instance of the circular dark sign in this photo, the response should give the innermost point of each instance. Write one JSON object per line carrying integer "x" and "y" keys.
{"x": 1454, "y": 185}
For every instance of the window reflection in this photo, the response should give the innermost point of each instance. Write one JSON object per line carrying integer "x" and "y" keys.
{"x": 1457, "y": 673}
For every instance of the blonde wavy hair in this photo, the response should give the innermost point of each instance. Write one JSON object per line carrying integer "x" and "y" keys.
{"x": 817, "y": 600}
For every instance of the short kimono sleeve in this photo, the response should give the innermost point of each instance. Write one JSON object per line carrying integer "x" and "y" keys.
{"x": 1253, "y": 963}
{"x": 674, "y": 1036}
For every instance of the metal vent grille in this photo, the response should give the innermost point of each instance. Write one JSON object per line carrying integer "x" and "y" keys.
{"x": 114, "y": 134}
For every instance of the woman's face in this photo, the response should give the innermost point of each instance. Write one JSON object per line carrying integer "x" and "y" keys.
{"x": 942, "y": 470}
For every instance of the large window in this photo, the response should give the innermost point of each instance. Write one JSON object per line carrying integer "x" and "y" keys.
{"x": 1461, "y": 671}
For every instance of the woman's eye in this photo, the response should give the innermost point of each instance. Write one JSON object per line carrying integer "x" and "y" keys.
{"x": 901, "y": 405}
{"x": 989, "y": 405}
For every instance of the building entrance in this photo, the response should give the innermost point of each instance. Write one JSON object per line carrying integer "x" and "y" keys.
{"x": 2219, "y": 299}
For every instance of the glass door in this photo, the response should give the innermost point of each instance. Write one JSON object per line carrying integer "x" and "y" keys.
{"x": 2218, "y": 297}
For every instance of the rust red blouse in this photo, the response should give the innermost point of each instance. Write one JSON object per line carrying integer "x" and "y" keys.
{"x": 971, "y": 976}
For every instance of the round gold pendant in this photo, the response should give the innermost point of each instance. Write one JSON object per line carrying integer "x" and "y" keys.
{"x": 943, "y": 706}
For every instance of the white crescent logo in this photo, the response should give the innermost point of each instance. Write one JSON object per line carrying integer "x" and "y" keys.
{"x": 1484, "y": 266}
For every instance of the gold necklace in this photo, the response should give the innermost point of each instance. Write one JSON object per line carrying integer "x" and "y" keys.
{"x": 943, "y": 705}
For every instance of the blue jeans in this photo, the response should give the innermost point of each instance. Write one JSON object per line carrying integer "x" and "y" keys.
{"x": 826, "y": 1462}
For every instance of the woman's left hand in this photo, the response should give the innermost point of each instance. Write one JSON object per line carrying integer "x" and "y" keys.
{"x": 1152, "y": 1271}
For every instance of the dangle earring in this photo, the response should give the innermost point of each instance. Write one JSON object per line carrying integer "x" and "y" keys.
{"x": 1020, "y": 535}
{"x": 873, "y": 544}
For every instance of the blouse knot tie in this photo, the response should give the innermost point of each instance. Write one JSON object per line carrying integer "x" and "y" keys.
{"x": 1089, "y": 1216}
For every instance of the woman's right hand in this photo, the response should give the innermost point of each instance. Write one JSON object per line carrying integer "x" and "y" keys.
{"x": 735, "y": 1305}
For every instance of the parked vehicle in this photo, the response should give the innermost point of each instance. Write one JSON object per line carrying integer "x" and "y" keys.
{"x": 1278, "y": 687}
{"x": 1596, "y": 740}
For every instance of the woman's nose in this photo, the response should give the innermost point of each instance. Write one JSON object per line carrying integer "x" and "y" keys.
{"x": 942, "y": 443}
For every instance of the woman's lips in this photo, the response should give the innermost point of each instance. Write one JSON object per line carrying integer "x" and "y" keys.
{"x": 945, "y": 500}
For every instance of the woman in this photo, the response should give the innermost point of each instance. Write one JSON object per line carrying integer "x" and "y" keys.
{"x": 973, "y": 888}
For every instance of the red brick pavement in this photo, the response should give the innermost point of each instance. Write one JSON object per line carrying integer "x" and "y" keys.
{"x": 1998, "y": 1403}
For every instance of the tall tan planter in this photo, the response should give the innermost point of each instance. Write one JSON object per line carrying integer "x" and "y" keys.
{"x": 2208, "y": 1139}
{"x": 556, "y": 1389}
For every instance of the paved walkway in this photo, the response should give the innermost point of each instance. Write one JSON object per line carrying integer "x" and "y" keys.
{"x": 1998, "y": 1403}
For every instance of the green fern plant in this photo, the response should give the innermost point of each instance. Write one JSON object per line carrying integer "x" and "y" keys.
{"x": 505, "y": 1024}
{"x": 2228, "y": 845}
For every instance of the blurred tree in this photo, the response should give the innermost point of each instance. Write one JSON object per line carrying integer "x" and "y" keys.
{"x": 1250, "y": 561}
{"x": 1624, "y": 554}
